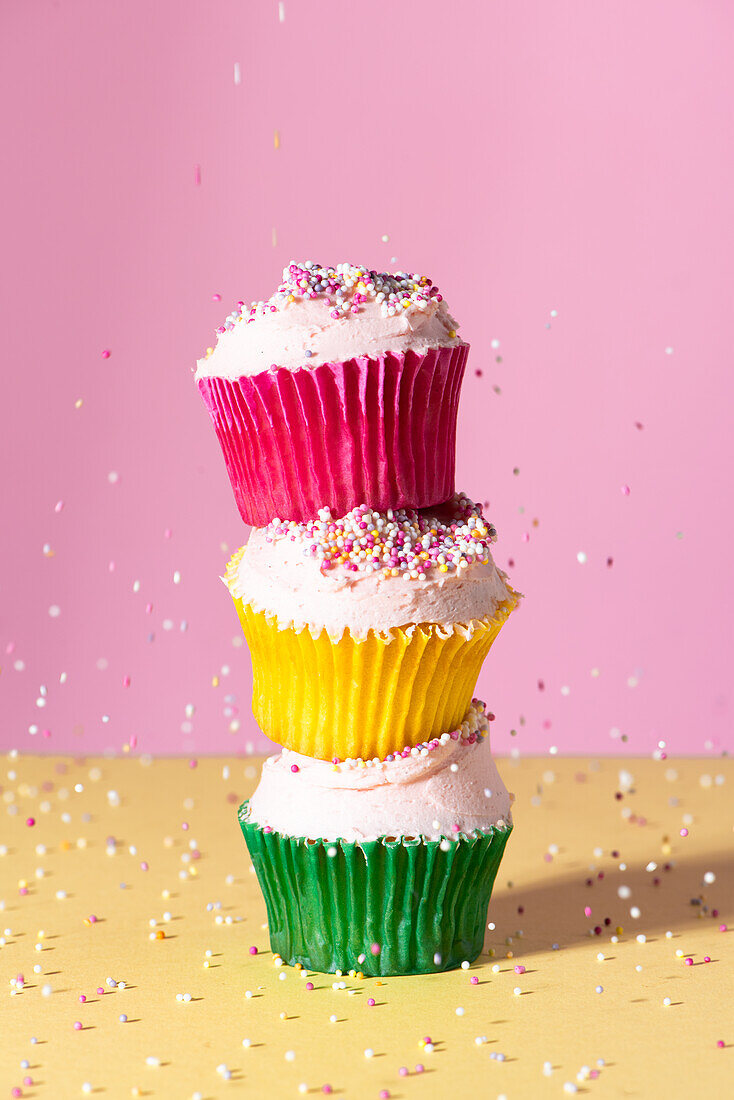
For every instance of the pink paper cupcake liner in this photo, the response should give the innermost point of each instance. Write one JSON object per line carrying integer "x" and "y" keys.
{"x": 376, "y": 431}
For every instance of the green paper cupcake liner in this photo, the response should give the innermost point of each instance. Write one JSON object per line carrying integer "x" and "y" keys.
{"x": 330, "y": 902}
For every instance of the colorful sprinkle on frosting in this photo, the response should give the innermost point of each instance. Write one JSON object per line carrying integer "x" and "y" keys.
{"x": 396, "y": 542}
{"x": 344, "y": 288}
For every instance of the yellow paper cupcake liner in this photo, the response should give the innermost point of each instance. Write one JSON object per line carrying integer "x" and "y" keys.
{"x": 363, "y": 697}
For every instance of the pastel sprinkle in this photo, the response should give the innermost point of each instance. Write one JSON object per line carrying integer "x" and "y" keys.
{"x": 344, "y": 290}
{"x": 398, "y": 543}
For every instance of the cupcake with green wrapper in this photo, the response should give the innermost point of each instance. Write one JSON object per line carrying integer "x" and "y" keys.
{"x": 381, "y": 866}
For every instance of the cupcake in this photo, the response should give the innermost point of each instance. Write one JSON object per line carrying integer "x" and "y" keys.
{"x": 381, "y": 866}
{"x": 342, "y": 388}
{"x": 367, "y": 632}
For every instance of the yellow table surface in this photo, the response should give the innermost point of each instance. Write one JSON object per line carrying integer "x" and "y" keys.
{"x": 575, "y": 845}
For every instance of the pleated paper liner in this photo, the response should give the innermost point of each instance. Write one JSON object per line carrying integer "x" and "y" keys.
{"x": 363, "y": 697}
{"x": 378, "y": 431}
{"x": 387, "y": 906}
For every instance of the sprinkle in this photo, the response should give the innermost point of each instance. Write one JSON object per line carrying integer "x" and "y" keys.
{"x": 344, "y": 290}
{"x": 399, "y": 542}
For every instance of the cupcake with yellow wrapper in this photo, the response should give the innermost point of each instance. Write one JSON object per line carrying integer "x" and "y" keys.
{"x": 368, "y": 631}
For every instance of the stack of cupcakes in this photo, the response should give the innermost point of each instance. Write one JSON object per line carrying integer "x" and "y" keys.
{"x": 369, "y": 599}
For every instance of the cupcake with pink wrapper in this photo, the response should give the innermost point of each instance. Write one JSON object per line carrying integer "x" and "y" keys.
{"x": 341, "y": 389}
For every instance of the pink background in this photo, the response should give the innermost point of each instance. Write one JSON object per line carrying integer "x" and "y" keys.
{"x": 530, "y": 156}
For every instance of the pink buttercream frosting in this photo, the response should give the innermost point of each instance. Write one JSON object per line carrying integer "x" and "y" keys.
{"x": 449, "y": 791}
{"x": 327, "y": 315}
{"x": 282, "y": 572}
